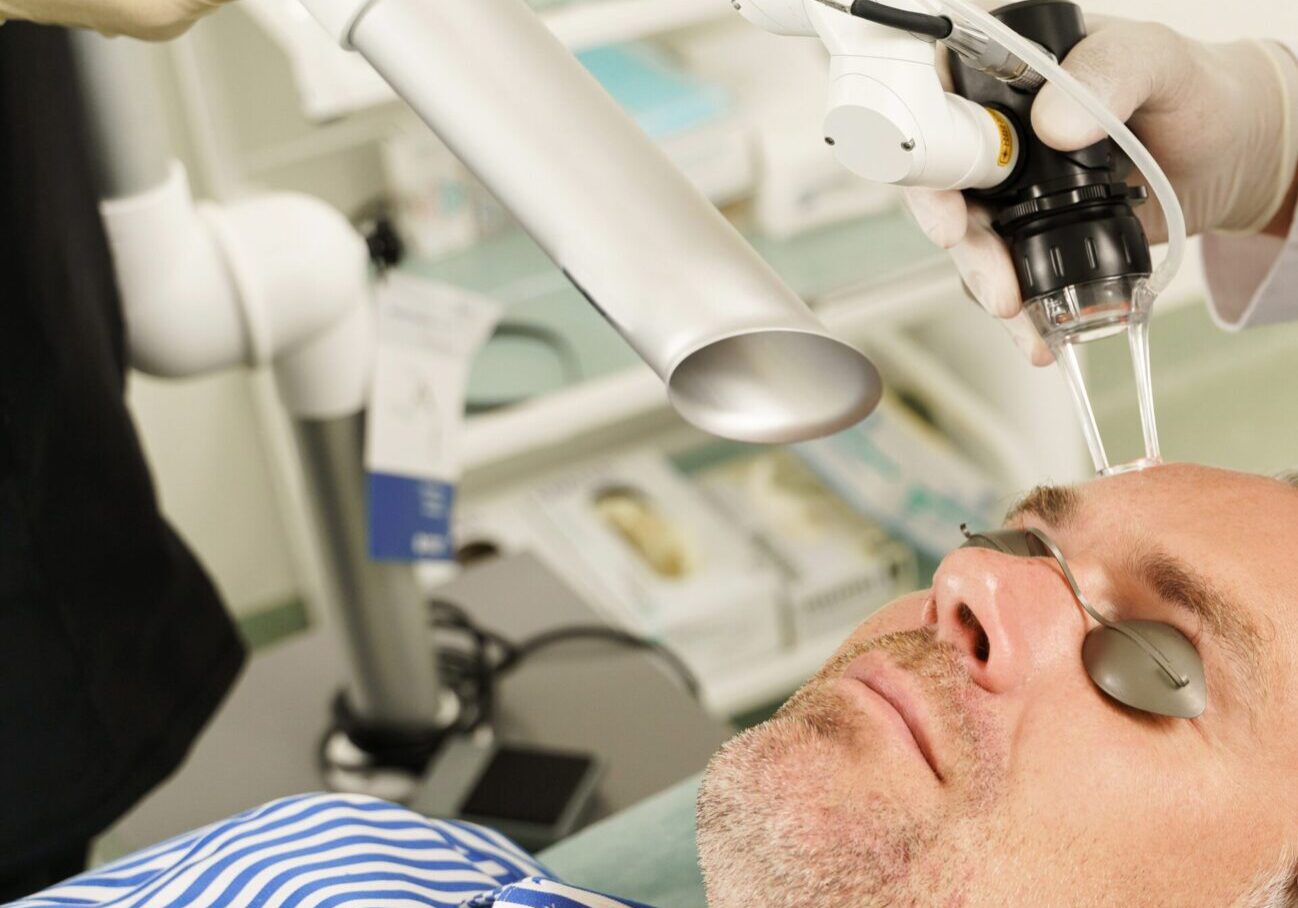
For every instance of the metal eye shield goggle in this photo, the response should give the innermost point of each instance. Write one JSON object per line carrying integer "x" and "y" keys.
{"x": 1147, "y": 665}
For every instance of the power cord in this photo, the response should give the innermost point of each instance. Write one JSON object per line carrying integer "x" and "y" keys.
{"x": 474, "y": 667}
{"x": 933, "y": 26}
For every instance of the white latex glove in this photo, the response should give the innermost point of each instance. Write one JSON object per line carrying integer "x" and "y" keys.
{"x": 153, "y": 20}
{"x": 1220, "y": 119}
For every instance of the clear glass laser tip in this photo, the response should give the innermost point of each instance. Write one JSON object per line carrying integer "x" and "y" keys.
{"x": 1138, "y": 341}
{"x": 1071, "y": 366}
{"x": 1085, "y": 313}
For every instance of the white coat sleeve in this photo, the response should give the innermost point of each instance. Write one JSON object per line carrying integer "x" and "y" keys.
{"x": 1252, "y": 280}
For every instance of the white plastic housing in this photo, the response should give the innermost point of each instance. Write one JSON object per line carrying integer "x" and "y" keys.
{"x": 338, "y": 16}
{"x": 168, "y": 263}
{"x": 779, "y": 17}
{"x": 275, "y": 279}
{"x": 889, "y": 119}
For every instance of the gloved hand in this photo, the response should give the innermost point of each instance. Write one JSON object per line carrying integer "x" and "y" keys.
{"x": 153, "y": 20}
{"x": 1221, "y": 120}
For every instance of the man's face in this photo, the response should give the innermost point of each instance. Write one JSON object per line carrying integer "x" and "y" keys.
{"x": 955, "y": 752}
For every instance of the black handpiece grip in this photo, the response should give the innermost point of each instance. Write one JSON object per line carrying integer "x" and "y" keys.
{"x": 1067, "y": 215}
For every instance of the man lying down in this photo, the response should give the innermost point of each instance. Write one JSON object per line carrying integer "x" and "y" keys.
{"x": 958, "y": 750}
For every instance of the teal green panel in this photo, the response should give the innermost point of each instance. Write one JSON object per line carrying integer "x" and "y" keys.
{"x": 266, "y": 626}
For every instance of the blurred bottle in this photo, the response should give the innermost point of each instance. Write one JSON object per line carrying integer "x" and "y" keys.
{"x": 440, "y": 207}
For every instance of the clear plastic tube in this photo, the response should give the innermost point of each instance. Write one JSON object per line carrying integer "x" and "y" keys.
{"x": 1031, "y": 54}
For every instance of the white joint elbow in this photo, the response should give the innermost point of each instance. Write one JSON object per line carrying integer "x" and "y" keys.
{"x": 890, "y": 127}
{"x": 252, "y": 283}
{"x": 297, "y": 265}
{"x": 338, "y": 17}
{"x": 178, "y": 301}
{"x": 779, "y": 17}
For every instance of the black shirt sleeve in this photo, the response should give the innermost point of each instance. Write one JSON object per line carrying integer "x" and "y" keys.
{"x": 114, "y": 646}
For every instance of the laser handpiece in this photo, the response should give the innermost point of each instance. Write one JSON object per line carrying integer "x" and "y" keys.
{"x": 1080, "y": 254}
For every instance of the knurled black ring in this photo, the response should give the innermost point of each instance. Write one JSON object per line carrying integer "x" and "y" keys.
{"x": 1094, "y": 192}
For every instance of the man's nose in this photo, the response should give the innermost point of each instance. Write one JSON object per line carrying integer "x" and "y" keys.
{"x": 1008, "y": 616}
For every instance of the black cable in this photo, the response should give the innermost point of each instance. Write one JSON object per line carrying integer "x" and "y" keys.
{"x": 605, "y": 634}
{"x": 470, "y": 670}
{"x": 472, "y": 666}
{"x": 938, "y": 27}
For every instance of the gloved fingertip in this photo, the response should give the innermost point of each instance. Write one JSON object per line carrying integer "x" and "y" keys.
{"x": 1039, "y": 354}
{"x": 987, "y": 292}
{"x": 1029, "y": 342}
{"x": 943, "y": 219}
{"x": 990, "y": 281}
{"x": 947, "y": 234}
{"x": 1001, "y": 300}
{"x": 1062, "y": 123}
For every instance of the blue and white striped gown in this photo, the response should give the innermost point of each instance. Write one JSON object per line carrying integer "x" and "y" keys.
{"x": 321, "y": 851}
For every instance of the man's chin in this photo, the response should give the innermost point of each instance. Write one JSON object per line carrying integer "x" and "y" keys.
{"x": 834, "y": 801}
{"x": 804, "y": 806}
{"x": 833, "y": 735}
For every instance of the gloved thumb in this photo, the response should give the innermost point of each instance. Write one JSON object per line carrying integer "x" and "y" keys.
{"x": 940, "y": 213}
{"x": 1125, "y": 65}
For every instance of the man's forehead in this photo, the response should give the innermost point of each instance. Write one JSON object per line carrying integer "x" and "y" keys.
{"x": 1238, "y": 528}
{"x": 1177, "y": 496}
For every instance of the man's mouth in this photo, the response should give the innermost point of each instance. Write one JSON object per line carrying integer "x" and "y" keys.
{"x": 898, "y": 690}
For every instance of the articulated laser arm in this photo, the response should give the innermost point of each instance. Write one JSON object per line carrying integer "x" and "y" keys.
{"x": 742, "y": 356}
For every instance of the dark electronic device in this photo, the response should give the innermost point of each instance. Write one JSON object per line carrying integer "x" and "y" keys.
{"x": 535, "y": 797}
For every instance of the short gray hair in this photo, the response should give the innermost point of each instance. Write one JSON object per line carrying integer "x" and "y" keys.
{"x": 1278, "y": 889}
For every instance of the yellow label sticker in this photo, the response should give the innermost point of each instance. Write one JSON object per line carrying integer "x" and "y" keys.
{"x": 1006, "y": 152}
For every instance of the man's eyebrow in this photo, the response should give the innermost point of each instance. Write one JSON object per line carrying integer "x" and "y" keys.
{"x": 1225, "y": 618}
{"x": 1177, "y": 583}
{"x": 1056, "y": 505}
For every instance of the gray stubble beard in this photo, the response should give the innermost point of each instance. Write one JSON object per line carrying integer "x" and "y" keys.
{"x": 774, "y": 836}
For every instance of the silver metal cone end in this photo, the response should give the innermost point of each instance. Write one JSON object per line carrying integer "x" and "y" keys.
{"x": 775, "y": 386}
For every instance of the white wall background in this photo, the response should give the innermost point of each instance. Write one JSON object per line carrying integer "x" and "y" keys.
{"x": 216, "y": 483}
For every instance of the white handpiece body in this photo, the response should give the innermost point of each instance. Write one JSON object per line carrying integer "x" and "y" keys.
{"x": 889, "y": 118}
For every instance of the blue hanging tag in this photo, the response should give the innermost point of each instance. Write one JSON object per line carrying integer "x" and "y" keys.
{"x": 427, "y": 335}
